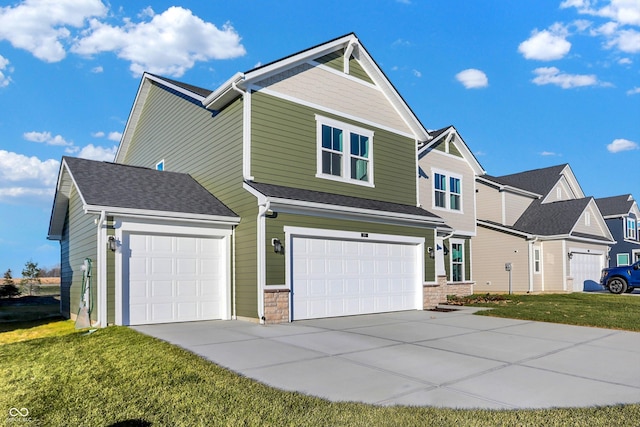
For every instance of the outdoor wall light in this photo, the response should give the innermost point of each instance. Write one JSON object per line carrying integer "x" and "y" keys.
{"x": 570, "y": 255}
{"x": 432, "y": 253}
{"x": 278, "y": 247}
{"x": 446, "y": 250}
{"x": 112, "y": 244}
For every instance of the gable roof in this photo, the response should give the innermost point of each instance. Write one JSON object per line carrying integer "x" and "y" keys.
{"x": 311, "y": 199}
{"x": 615, "y": 206}
{"x": 350, "y": 44}
{"x": 454, "y": 136}
{"x": 122, "y": 189}
{"x": 539, "y": 181}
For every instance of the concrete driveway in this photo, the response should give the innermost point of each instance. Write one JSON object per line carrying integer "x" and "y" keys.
{"x": 425, "y": 358}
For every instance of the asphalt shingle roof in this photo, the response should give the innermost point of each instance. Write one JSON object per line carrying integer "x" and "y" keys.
{"x": 290, "y": 193}
{"x": 615, "y": 205}
{"x": 549, "y": 219}
{"x": 123, "y": 186}
{"x": 539, "y": 181}
{"x": 191, "y": 88}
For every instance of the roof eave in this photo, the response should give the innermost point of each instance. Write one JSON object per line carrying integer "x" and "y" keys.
{"x": 224, "y": 94}
{"x": 119, "y": 211}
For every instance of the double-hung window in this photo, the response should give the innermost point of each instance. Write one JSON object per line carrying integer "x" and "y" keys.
{"x": 344, "y": 152}
{"x": 447, "y": 191}
{"x": 631, "y": 229}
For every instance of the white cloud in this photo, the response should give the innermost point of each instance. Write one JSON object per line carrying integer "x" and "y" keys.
{"x": 93, "y": 152}
{"x": 626, "y": 12}
{"x": 417, "y": 73}
{"x": 622, "y": 145}
{"x": 552, "y": 75}
{"x": 634, "y": 91}
{"x": 472, "y": 78}
{"x": 47, "y": 138}
{"x": 115, "y": 136}
{"x": 97, "y": 70}
{"x": 42, "y": 26}
{"x": 625, "y": 40}
{"x": 549, "y": 153}
{"x": 546, "y": 45}
{"x": 625, "y": 61}
{"x": 4, "y": 67}
{"x": 98, "y": 134}
{"x": 170, "y": 43}
{"x": 18, "y": 168}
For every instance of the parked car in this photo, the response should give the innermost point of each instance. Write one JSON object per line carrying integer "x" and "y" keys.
{"x": 621, "y": 279}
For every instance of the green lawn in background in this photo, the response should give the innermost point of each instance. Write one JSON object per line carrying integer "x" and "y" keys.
{"x": 584, "y": 309}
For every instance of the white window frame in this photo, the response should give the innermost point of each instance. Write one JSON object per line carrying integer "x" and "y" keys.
{"x": 618, "y": 263}
{"x": 537, "y": 260}
{"x": 448, "y": 193}
{"x": 627, "y": 232}
{"x": 451, "y": 263}
{"x": 160, "y": 165}
{"x": 347, "y": 130}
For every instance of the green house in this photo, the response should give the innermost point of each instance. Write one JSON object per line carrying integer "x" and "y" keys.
{"x": 310, "y": 170}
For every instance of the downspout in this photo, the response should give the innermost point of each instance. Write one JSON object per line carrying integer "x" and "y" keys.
{"x": 263, "y": 208}
{"x": 233, "y": 274}
{"x": 102, "y": 258}
{"x": 531, "y": 261}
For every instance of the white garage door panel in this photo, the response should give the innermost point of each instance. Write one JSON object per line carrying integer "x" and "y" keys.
{"x": 339, "y": 278}
{"x": 586, "y": 270}
{"x": 174, "y": 278}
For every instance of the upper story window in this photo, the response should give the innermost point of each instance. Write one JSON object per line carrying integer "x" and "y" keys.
{"x": 631, "y": 229}
{"x": 160, "y": 165}
{"x": 447, "y": 191}
{"x": 345, "y": 152}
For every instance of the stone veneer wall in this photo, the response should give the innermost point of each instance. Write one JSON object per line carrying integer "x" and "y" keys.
{"x": 434, "y": 294}
{"x": 276, "y": 306}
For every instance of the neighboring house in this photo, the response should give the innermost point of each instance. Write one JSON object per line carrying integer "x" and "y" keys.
{"x": 539, "y": 222}
{"x": 447, "y": 184}
{"x": 310, "y": 164}
{"x": 623, "y": 219}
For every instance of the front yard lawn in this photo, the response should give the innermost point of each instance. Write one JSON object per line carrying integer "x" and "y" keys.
{"x": 584, "y": 309}
{"x": 117, "y": 376}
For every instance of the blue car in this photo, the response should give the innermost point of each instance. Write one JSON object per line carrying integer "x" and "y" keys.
{"x": 621, "y": 279}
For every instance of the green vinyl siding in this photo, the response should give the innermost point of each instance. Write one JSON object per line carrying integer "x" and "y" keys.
{"x": 275, "y": 229}
{"x": 78, "y": 242}
{"x": 284, "y": 152}
{"x": 209, "y": 148}
{"x": 335, "y": 60}
{"x": 356, "y": 70}
{"x": 453, "y": 150}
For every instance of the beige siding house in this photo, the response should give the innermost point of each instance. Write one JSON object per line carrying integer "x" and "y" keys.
{"x": 447, "y": 187}
{"x": 541, "y": 224}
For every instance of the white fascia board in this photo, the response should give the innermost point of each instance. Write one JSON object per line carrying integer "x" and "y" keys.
{"x": 143, "y": 213}
{"x": 294, "y": 206}
{"x": 134, "y": 116}
{"x": 567, "y": 237}
{"x": 505, "y": 229}
{"x": 508, "y": 188}
{"x": 61, "y": 200}
{"x": 297, "y": 59}
{"x": 223, "y": 94}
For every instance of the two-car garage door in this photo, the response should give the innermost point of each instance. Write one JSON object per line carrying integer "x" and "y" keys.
{"x": 173, "y": 278}
{"x": 339, "y": 277}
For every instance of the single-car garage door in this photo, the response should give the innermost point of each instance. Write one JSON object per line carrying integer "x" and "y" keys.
{"x": 173, "y": 278}
{"x": 585, "y": 270}
{"x": 332, "y": 277}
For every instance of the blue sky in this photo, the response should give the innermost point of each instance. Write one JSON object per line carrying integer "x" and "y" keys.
{"x": 527, "y": 83}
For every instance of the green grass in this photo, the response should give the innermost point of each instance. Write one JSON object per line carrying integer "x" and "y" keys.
{"x": 599, "y": 310}
{"x": 116, "y": 374}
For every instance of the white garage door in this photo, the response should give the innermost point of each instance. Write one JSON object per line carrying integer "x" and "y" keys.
{"x": 174, "y": 279}
{"x": 342, "y": 277}
{"x": 586, "y": 270}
